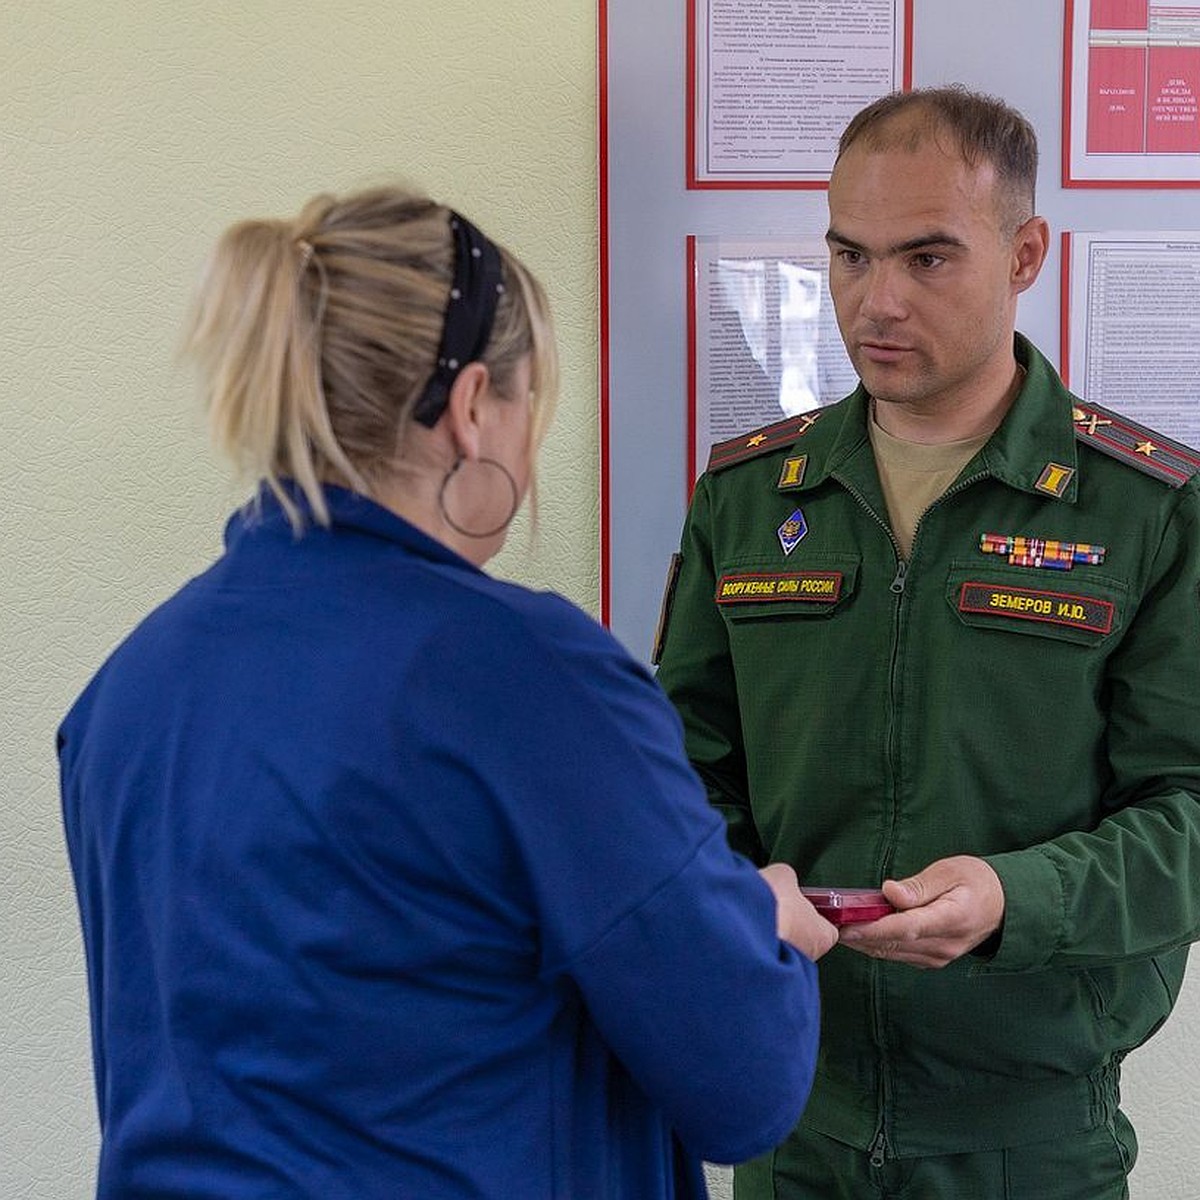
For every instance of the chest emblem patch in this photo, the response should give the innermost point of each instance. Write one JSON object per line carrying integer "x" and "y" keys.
{"x": 760, "y": 588}
{"x": 1041, "y": 552}
{"x": 792, "y": 531}
{"x": 1029, "y": 604}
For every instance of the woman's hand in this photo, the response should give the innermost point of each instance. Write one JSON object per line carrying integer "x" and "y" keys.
{"x": 797, "y": 921}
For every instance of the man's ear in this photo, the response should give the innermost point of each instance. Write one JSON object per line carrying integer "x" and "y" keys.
{"x": 1031, "y": 244}
{"x": 465, "y": 410}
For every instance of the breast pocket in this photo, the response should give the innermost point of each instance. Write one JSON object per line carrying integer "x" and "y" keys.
{"x": 1064, "y": 606}
{"x": 753, "y": 590}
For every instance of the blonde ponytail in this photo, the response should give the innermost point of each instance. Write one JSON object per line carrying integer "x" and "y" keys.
{"x": 315, "y": 337}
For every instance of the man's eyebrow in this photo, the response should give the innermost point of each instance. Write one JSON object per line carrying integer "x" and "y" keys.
{"x": 926, "y": 241}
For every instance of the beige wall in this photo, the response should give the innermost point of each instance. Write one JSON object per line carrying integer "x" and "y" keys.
{"x": 130, "y": 134}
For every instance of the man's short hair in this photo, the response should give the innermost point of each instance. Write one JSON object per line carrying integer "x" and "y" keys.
{"x": 984, "y": 129}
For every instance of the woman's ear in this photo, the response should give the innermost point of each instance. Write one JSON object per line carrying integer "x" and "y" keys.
{"x": 465, "y": 409}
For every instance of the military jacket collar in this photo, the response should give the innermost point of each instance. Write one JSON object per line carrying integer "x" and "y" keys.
{"x": 1033, "y": 450}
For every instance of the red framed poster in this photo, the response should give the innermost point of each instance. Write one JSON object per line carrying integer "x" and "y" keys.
{"x": 771, "y": 86}
{"x": 1131, "y": 94}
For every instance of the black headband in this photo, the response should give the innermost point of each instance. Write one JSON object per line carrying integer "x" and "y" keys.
{"x": 470, "y": 311}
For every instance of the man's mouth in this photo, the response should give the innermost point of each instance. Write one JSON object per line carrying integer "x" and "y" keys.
{"x": 882, "y": 352}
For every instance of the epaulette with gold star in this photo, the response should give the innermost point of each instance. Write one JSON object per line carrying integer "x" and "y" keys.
{"x": 1131, "y": 443}
{"x": 760, "y": 441}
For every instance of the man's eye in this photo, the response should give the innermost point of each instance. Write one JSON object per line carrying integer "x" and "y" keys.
{"x": 928, "y": 261}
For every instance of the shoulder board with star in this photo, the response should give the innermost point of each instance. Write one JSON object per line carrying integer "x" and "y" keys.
{"x": 760, "y": 441}
{"x": 1128, "y": 442}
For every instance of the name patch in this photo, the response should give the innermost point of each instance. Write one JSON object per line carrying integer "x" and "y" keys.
{"x": 1056, "y": 608}
{"x": 792, "y": 585}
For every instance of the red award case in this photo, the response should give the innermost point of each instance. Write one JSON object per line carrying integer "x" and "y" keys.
{"x": 845, "y": 906}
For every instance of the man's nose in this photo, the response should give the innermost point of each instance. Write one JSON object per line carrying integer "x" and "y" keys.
{"x": 883, "y": 293}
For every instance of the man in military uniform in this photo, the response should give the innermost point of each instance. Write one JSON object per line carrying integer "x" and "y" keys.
{"x": 945, "y": 636}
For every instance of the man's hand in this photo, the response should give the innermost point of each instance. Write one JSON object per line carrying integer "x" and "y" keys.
{"x": 945, "y": 910}
{"x": 796, "y": 919}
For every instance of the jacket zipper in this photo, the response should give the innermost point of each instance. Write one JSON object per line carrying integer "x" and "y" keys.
{"x": 878, "y": 1147}
{"x": 960, "y": 486}
{"x": 896, "y": 587}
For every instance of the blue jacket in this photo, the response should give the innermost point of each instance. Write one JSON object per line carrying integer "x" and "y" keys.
{"x": 395, "y": 881}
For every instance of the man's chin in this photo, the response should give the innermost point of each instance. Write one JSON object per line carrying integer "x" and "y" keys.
{"x": 884, "y": 387}
{"x": 898, "y": 385}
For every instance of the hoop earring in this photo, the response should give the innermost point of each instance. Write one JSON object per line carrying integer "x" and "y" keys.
{"x": 487, "y": 533}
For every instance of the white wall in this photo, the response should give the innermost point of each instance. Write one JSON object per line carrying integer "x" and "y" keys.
{"x": 131, "y": 134}
{"x": 1012, "y": 49}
